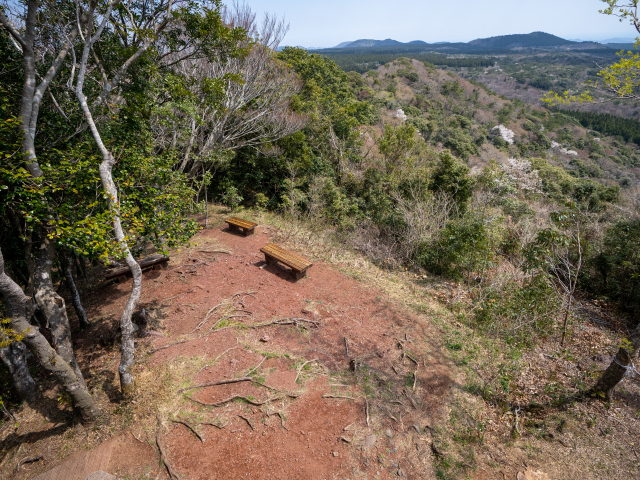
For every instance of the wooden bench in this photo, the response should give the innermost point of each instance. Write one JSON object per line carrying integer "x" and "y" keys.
{"x": 154, "y": 261}
{"x": 273, "y": 254}
{"x": 246, "y": 226}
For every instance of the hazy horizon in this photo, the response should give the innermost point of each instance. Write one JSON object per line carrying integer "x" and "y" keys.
{"x": 332, "y": 22}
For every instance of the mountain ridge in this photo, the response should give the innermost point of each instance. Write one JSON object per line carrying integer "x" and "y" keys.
{"x": 534, "y": 39}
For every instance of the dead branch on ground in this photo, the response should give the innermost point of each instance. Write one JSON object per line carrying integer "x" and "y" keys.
{"x": 298, "y": 322}
{"x": 302, "y": 366}
{"x": 337, "y": 396}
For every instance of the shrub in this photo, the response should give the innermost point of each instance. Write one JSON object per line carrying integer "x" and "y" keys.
{"x": 412, "y": 77}
{"x": 461, "y": 248}
{"x": 413, "y": 111}
{"x": 451, "y": 89}
{"x": 520, "y": 312}
{"x": 452, "y": 177}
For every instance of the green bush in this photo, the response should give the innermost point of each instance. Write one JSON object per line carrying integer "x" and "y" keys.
{"x": 413, "y": 111}
{"x": 520, "y": 313}
{"x": 460, "y": 142}
{"x": 460, "y": 249}
{"x": 616, "y": 269}
{"x": 452, "y": 178}
{"x": 451, "y": 89}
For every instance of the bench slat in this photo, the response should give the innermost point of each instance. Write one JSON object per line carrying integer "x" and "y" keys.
{"x": 295, "y": 262}
{"x": 241, "y": 223}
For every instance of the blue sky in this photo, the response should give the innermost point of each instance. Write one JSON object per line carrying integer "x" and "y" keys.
{"x": 326, "y": 23}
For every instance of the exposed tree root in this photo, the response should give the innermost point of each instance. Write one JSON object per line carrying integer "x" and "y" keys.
{"x": 249, "y": 422}
{"x": 190, "y": 427}
{"x": 220, "y": 382}
{"x": 235, "y": 397}
{"x": 163, "y": 456}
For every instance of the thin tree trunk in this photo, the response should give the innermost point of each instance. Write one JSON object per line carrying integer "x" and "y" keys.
{"x": 206, "y": 201}
{"x": 78, "y": 261}
{"x": 71, "y": 284}
{"x": 53, "y": 306}
{"x": 15, "y": 358}
{"x": 127, "y": 347}
{"x": 20, "y": 310}
{"x": 192, "y": 138}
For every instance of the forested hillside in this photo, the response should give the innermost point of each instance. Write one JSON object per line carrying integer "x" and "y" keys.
{"x": 118, "y": 129}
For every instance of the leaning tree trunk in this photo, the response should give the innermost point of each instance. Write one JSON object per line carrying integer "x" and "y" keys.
{"x": 622, "y": 362}
{"x": 15, "y": 358}
{"x": 20, "y": 310}
{"x": 53, "y": 306}
{"x": 67, "y": 267}
{"x": 127, "y": 347}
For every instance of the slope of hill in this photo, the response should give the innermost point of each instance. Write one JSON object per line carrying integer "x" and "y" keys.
{"x": 535, "y": 39}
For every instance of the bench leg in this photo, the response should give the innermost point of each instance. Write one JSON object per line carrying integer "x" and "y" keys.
{"x": 164, "y": 265}
{"x": 249, "y": 231}
{"x": 299, "y": 275}
{"x": 269, "y": 260}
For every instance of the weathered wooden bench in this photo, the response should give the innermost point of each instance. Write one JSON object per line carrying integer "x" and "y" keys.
{"x": 273, "y": 254}
{"x": 154, "y": 261}
{"x": 246, "y": 226}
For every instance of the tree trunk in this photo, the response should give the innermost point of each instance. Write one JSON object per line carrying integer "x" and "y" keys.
{"x": 15, "y": 358}
{"x": 20, "y": 310}
{"x": 127, "y": 347}
{"x": 75, "y": 296}
{"x": 53, "y": 306}
{"x": 621, "y": 363}
{"x": 81, "y": 269}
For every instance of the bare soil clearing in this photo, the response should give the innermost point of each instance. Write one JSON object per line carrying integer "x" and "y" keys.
{"x": 313, "y": 410}
{"x": 351, "y": 384}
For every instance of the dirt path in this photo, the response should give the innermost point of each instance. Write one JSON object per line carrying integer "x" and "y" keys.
{"x": 313, "y": 411}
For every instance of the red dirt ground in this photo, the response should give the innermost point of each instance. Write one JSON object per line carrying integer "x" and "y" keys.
{"x": 316, "y": 437}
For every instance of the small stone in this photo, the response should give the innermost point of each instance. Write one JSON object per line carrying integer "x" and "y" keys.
{"x": 370, "y": 441}
{"x": 388, "y": 433}
{"x": 265, "y": 338}
{"x": 335, "y": 454}
{"x": 417, "y": 427}
{"x": 401, "y": 473}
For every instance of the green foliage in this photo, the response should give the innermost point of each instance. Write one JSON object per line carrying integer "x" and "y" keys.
{"x": 607, "y": 124}
{"x": 452, "y": 177}
{"x": 460, "y": 142}
{"x": 413, "y": 111}
{"x": 462, "y": 247}
{"x": 396, "y": 142}
{"x": 615, "y": 271}
{"x": 452, "y": 89}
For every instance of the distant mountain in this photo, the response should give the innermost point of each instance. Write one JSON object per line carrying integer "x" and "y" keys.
{"x": 373, "y": 43}
{"x": 535, "y": 39}
{"x": 505, "y": 42}
{"x": 618, "y": 40}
